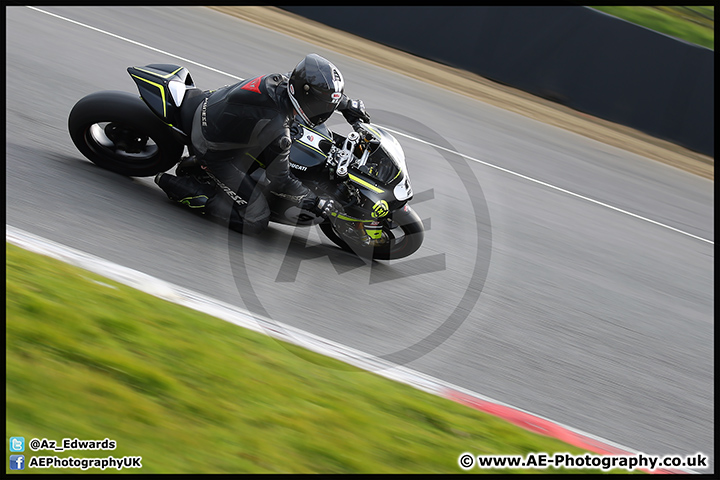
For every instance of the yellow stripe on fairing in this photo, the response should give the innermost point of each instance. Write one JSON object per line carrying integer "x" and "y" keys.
{"x": 351, "y": 219}
{"x": 312, "y": 148}
{"x": 162, "y": 93}
{"x": 317, "y": 133}
{"x": 366, "y": 184}
{"x": 158, "y": 75}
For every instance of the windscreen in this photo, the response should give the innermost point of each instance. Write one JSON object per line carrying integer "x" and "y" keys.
{"x": 386, "y": 160}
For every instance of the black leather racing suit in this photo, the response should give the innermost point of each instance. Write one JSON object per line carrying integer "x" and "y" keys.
{"x": 236, "y": 127}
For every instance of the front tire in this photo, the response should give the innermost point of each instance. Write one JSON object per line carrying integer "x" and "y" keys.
{"x": 409, "y": 227}
{"x": 118, "y": 132}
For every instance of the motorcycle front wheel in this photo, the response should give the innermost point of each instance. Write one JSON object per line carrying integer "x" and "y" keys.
{"x": 403, "y": 239}
{"x": 118, "y": 132}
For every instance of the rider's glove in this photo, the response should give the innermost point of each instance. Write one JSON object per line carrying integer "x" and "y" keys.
{"x": 324, "y": 207}
{"x": 321, "y": 206}
{"x": 353, "y": 111}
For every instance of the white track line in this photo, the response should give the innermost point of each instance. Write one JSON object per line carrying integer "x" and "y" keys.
{"x": 576, "y": 195}
{"x": 243, "y": 318}
{"x": 124, "y": 39}
{"x": 553, "y": 187}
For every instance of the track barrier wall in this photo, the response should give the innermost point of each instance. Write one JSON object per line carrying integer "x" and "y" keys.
{"x": 577, "y": 56}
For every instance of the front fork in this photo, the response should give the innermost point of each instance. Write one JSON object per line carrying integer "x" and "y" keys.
{"x": 368, "y": 234}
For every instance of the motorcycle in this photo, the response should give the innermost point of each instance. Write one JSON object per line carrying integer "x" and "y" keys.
{"x": 364, "y": 172}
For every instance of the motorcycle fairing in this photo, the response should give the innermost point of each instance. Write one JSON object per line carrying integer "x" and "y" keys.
{"x": 386, "y": 162}
{"x": 310, "y": 149}
{"x": 163, "y": 87}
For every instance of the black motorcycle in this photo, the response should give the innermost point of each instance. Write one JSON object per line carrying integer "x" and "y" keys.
{"x": 364, "y": 172}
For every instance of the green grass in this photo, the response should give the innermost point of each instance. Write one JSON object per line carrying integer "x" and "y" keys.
{"x": 692, "y": 24}
{"x": 191, "y": 393}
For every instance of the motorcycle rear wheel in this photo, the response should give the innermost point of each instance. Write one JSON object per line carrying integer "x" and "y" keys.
{"x": 118, "y": 132}
{"x": 398, "y": 246}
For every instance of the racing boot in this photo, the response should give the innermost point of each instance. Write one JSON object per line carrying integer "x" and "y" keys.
{"x": 185, "y": 190}
{"x": 188, "y": 166}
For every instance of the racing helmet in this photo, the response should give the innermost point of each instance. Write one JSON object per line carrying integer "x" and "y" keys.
{"x": 315, "y": 89}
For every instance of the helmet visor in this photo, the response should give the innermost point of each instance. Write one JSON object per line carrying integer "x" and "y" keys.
{"x": 315, "y": 105}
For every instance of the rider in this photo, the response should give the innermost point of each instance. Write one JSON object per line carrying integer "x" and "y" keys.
{"x": 239, "y": 125}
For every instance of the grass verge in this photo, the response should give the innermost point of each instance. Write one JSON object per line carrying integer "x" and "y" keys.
{"x": 89, "y": 358}
{"x": 692, "y": 24}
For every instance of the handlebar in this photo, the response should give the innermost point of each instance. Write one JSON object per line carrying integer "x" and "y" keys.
{"x": 344, "y": 156}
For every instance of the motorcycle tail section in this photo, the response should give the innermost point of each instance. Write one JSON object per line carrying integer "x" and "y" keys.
{"x": 163, "y": 88}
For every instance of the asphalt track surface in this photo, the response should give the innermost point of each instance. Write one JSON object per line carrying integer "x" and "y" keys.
{"x": 560, "y": 275}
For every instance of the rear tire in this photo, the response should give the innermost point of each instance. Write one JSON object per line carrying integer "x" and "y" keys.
{"x": 405, "y": 245}
{"x": 118, "y": 132}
